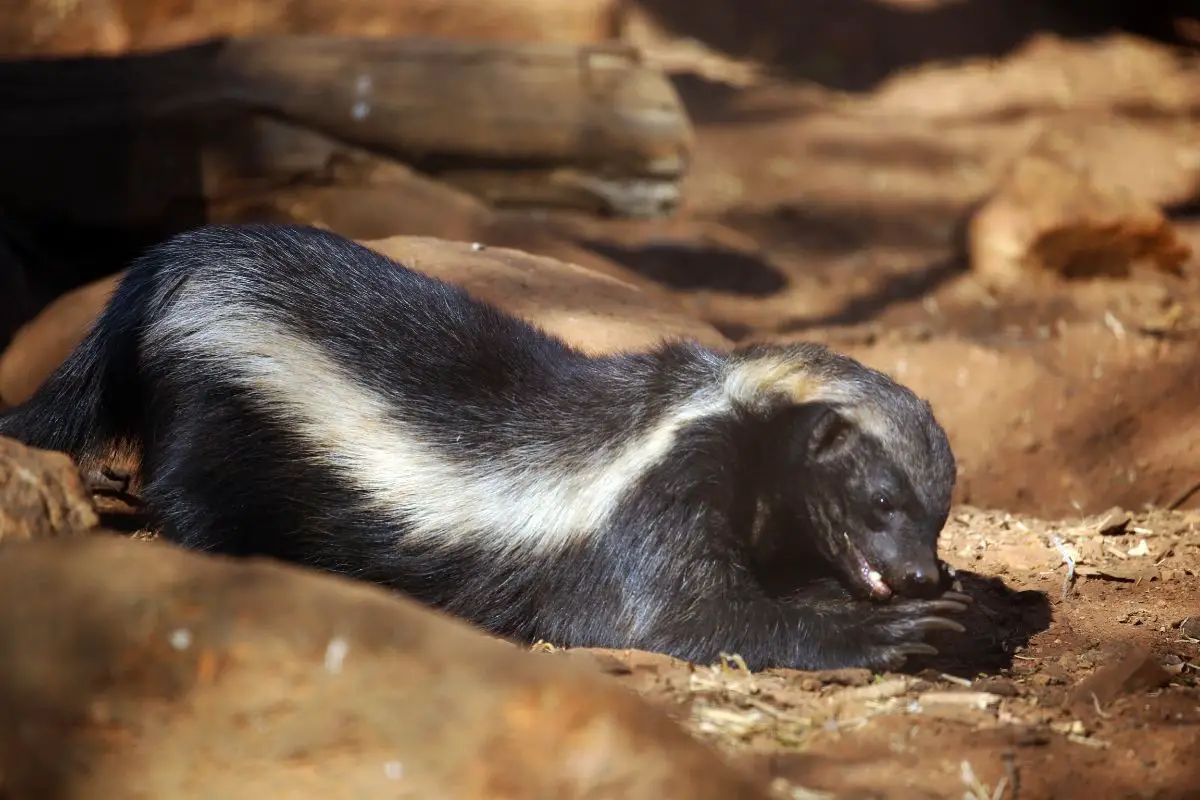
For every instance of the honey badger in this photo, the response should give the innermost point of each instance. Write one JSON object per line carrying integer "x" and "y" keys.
{"x": 295, "y": 395}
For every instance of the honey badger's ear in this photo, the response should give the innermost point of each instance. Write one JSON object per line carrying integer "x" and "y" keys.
{"x": 830, "y": 431}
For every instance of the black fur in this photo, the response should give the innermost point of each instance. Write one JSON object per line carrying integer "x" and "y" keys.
{"x": 733, "y": 543}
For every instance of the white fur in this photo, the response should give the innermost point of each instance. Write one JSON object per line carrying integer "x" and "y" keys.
{"x": 750, "y": 383}
{"x": 529, "y": 500}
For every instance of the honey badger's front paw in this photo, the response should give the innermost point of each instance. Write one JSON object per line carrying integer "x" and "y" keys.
{"x": 890, "y": 633}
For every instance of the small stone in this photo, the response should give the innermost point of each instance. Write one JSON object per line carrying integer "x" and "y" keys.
{"x": 1001, "y": 687}
{"x": 844, "y": 677}
{"x": 41, "y": 494}
{"x": 1117, "y": 521}
{"x": 1127, "y": 670}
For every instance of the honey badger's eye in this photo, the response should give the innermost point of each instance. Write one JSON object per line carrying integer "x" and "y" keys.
{"x": 883, "y": 504}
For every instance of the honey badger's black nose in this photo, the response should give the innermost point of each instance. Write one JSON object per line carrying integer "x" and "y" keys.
{"x": 919, "y": 580}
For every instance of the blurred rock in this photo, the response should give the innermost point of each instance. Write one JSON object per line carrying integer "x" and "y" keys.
{"x": 111, "y": 27}
{"x": 140, "y": 669}
{"x": 45, "y": 341}
{"x": 1050, "y": 218}
{"x": 595, "y": 312}
{"x": 41, "y": 495}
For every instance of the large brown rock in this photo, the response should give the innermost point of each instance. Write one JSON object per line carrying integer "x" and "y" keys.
{"x": 136, "y": 669}
{"x": 112, "y": 27}
{"x": 1053, "y": 218}
{"x": 40, "y": 345}
{"x": 597, "y": 311}
{"x": 41, "y": 495}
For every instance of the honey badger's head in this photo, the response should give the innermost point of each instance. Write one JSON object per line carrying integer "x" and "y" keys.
{"x": 876, "y": 502}
{"x": 860, "y": 475}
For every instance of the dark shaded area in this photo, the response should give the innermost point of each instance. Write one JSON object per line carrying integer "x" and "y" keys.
{"x": 711, "y": 102}
{"x": 896, "y": 151}
{"x": 825, "y": 234}
{"x": 687, "y": 266}
{"x": 999, "y": 622}
{"x": 839, "y": 230}
{"x": 123, "y": 521}
{"x": 90, "y": 172}
{"x": 853, "y": 45}
{"x": 892, "y": 290}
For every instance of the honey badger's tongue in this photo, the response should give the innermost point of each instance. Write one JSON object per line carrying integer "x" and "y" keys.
{"x": 879, "y": 589}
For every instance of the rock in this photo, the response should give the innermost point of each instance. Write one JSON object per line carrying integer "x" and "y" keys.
{"x": 374, "y": 198}
{"x": 997, "y": 685}
{"x": 627, "y": 661}
{"x": 597, "y": 313}
{"x": 596, "y": 309}
{"x": 41, "y": 494}
{"x": 112, "y": 27}
{"x": 1128, "y": 670}
{"x": 141, "y": 669}
{"x": 1049, "y": 218}
{"x": 44, "y": 342}
{"x": 851, "y": 676}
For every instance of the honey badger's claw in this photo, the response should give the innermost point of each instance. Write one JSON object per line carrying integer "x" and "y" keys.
{"x": 950, "y": 606}
{"x": 938, "y": 624}
{"x": 898, "y": 631}
{"x": 917, "y": 649}
{"x": 957, "y": 597}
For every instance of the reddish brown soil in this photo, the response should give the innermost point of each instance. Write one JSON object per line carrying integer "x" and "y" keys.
{"x": 813, "y": 214}
{"x": 1030, "y": 646}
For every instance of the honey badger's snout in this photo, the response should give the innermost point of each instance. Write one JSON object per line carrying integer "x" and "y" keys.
{"x": 920, "y": 576}
{"x": 895, "y": 567}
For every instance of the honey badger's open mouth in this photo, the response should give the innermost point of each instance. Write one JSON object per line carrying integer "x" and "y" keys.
{"x": 870, "y": 576}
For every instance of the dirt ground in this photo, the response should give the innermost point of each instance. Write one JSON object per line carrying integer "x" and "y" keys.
{"x": 816, "y": 213}
{"x": 1008, "y": 711}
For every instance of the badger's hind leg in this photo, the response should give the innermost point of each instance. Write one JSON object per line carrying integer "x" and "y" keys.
{"x": 113, "y": 483}
{"x": 215, "y": 476}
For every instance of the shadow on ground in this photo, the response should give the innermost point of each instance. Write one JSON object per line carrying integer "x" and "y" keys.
{"x": 853, "y": 45}
{"x": 686, "y": 267}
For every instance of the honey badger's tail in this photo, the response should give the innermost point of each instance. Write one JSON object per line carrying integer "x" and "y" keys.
{"x": 93, "y": 402}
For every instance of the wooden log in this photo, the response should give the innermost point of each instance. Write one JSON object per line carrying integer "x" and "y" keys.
{"x": 595, "y": 106}
{"x": 590, "y": 128}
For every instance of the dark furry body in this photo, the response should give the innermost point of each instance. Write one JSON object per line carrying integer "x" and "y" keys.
{"x": 673, "y": 570}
